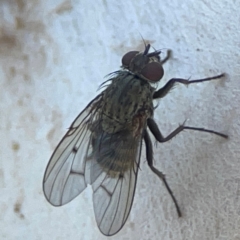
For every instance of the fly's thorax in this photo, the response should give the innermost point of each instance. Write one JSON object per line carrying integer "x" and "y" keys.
{"x": 125, "y": 99}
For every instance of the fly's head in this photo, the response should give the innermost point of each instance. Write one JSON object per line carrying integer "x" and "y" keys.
{"x": 146, "y": 65}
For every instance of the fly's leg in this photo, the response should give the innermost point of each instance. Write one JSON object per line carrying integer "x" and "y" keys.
{"x": 169, "y": 53}
{"x": 149, "y": 154}
{"x": 162, "y": 92}
{"x": 159, "y": 137}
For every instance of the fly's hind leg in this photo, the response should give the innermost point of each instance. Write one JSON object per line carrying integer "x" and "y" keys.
{"x": 157, "y": 134}
{"x": 149, "y": 154}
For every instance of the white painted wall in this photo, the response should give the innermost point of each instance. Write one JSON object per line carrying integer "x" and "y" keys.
{"x": 53, "y": 56}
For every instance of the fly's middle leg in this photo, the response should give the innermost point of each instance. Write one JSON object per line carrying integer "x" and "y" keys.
{"x": 149, "y": 154}
{"x": 159, "y": 137}
{"x": 162, "y": 92}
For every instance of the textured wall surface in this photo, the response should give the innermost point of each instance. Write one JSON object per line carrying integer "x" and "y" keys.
{"x": 53, "y": 56}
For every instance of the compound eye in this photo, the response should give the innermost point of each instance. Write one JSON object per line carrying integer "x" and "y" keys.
{"x": 128, "y": 57}
{"x": 153, "y": 71}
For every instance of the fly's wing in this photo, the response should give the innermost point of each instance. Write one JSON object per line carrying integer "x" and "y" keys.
{"x": 113, "y": 173}
{"x": 64, "y": 177}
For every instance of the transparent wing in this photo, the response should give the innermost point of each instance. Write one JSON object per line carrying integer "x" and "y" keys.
{"x": 114, "y": 169}
{"x": 65, "y": 175}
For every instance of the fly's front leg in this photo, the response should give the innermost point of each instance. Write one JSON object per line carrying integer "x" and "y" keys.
{"x": 159, "y": 137}
{"x": 162, "y": 92}
{"x": 169, "y": 54}
{"x": 149, "y": 154}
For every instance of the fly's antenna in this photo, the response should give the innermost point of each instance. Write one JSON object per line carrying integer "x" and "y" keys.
{"x": 145, "y": 44}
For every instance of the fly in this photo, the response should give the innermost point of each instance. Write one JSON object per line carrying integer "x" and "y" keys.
{"x": 103, "y": 145}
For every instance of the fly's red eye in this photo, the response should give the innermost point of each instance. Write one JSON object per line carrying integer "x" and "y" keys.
{"x": 153, "y": 71}
{"x": 127, "y": 58}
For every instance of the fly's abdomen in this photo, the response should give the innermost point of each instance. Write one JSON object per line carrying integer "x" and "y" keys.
{"x": 115, "y": 153}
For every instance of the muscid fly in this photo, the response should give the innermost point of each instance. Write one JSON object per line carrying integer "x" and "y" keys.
{"x": 103, "y": 145}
